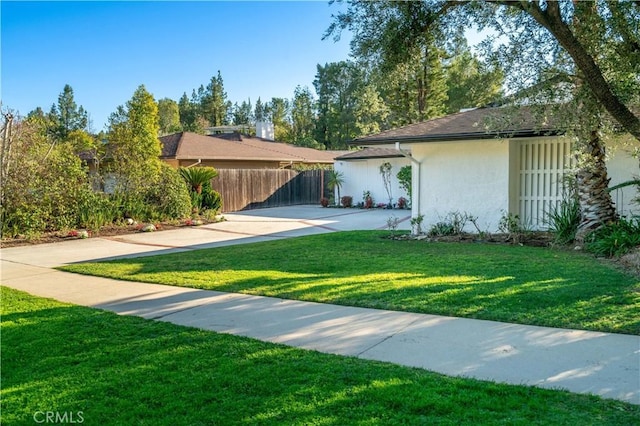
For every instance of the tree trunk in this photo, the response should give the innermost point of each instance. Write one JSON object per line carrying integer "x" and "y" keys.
{"x": 596, "y": 205}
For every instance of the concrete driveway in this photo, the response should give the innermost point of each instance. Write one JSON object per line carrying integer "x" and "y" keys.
{"x": 239, "y": 228}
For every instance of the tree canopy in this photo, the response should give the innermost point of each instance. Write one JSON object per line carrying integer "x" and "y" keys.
{"x": 597, "y": 41}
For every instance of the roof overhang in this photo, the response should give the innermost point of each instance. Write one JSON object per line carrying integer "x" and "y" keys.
{"x": 452, "y": 137}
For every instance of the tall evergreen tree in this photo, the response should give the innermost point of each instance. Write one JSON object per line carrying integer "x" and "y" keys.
{"x": 303, "y": 118}
{"x": 133, "y": 142}
{"x": 67, "y": 116}
{"x": 168, "y": 116}
{"x": 261, "y": 111}
{"x": 242, "y": 114}
{"x": 191, "y": 119}
{"x": 214, "y": 104}
{"x": 278, "y": 111}
{"x": 471, "y": 83}
{"x": 338, "y": 86}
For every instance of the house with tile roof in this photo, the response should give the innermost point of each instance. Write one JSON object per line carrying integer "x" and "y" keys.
{"x": 490, "y": 162}
{"x": 236, "y": 151}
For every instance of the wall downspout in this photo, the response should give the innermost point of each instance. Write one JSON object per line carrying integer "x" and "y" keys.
{"x": 415, "y": 186}
{"x": 194, "y": 164}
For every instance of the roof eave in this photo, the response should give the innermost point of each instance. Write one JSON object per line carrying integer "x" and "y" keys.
{"x": 455, "y": 137}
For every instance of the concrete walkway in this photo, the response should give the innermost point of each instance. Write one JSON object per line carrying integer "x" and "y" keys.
{"x": 580, "y": 361}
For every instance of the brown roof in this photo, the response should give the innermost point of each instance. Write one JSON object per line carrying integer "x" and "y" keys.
{"x": 192, "y": 146}
{"x": 481, "y": 123}
{"x": 367, "y": 153}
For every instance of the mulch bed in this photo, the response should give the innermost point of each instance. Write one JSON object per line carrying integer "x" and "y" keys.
{"x": 106, "y": 231}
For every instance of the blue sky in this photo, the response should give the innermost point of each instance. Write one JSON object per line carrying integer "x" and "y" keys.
{"x": 105, "y": 50}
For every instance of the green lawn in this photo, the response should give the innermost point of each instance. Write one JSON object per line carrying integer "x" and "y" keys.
{"x": 118, "y": 370}
{"x": 516, "y": 284}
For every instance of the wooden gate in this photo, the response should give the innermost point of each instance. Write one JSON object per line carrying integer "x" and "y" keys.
{"x": 543, "y": 165}
{"x": 244, "y": 189}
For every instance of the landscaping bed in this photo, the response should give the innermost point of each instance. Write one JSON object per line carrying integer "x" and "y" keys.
{"x": 105, "y": 231}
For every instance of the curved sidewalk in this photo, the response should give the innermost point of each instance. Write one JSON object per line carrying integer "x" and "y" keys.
{"x": 580, "y": 361}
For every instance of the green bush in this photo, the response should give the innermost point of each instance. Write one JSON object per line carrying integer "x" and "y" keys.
{"x": 42, "y": 193}
{"x": 442, "y": 229}
{"x": 95, "y": 211}
{"x": 614, "y": 239}
{"x": 169, "y": 197}
{"x": 564, "y": 220}
{"x": 130, "y": 205}
{"x": 210, "y": 200}
{"x": 404, "y": 179}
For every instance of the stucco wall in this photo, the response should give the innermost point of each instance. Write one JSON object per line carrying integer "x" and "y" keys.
{"x": 467, "y": 177}
{"x": 622, "y": 167}
{"x": 364, "y": 175}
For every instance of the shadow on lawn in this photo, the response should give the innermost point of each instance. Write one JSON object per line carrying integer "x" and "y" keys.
{"x": 503, "y": 283}
{"x": 127, "y": 370}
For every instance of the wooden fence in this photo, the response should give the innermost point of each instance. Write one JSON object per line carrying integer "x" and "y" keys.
{"x": 245, "y": 189}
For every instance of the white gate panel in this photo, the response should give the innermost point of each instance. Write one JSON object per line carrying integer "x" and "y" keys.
{"x": 542, "y": 167}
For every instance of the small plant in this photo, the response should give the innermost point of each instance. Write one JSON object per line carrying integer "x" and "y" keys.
{"x": 402, "y": 203}
{"x": 511, "y": 225}
{"x": 614, "y": 239}
{"x": 346, "y": 201}
{"x": 367, "y": 199}
{"x": 335, "y": 181}
{"x": 564, "y": 220}
{"x": 481, "y": 234}
{"x": 392, "y": 224}
{"x": 382, "y": 205}
{"x": 324, "y": 202}
{"x": 442, "y": 229}
{"x": 210, "y": 215}
{"x": 385, "y": 171}
{"x": 452, "y": 224}
{"x": 416, "y": 224}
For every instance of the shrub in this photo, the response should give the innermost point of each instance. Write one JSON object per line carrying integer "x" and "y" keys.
{"x": 441, "y": 229}
{"x": 130, "y": 205}
{"x": 402, "y": 203}
{"x": 95, "y": 211}
{"x": 169, "y": 197}
{"x": 324, "y": 202}
{"x": 44, "y": 188}
{"x": 346, "y": 201}
{"x": 614, "y": 239}
{"x": 211, "y": 199}
{"x": 416, "y": 224}
{"x": 202, "y": 196}
{"x": 404, "y": 178}
{"x": 511, "y": 225}
{"x": 452, "y": 224}
{"x": 564, "y": 220}
{"x": 368, "y": 199}
{"x": 197, "y": 177}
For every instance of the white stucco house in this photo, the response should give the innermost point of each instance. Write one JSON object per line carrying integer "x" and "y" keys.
{"x": 361, "y": 171}
{"x": 460, "y": 164}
